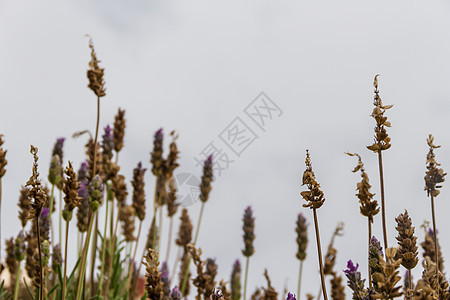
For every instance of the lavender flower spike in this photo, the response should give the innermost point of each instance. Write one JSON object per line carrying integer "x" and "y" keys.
{"x": 290, "y": 297}
{"x": 355, "y": 283}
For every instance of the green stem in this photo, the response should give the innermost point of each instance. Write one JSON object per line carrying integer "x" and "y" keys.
{"x": 102, "y": 269}
{"x": 41, "y": 292}
{"x": 246, "y": 276}
{"x": 82, "y": 269}
{"x": 436, "y": 254}
{"x": 50, "y": 213}
{"x": 93, "y": 255}
{"x": 112, "y": 249}
{"x": 65, "y": 256}
{"x": 383, "y": 203}
{"x": 319, "y": 252}
{"x": 299, "y": 279}
{"x": 195, "y": 242}
{"x": 60, "y": 217}
{"x": 131, "y": 268}
{"x": 16, "y": 285}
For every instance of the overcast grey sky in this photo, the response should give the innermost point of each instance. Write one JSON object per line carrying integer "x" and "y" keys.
{"x": 194, "y": 66}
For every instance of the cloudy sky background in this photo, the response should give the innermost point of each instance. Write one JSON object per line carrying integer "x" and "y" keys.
{"x": 193, "y": 66}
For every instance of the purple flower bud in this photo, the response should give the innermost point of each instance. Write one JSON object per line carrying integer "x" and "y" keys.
{"x": 83, "y": 171}
{"x": 108, "y": 141}
{"x": 290, "y": 297}
{"x": 159, "y": 135}
{"x": 175, "y": 294}
{"x": 58, "y": 148}
{"x": 45, "y": 212}
{"x": 351, "y": 268}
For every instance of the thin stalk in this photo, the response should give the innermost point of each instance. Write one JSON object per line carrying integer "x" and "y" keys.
{"x": 50, "y": 213}
{"x": 169, "y": 242}
{"x": 96, "y": 137}
{"x": 81, "y": 282}
{"x": 0, "y": 219}
{"x": 111, "y": 256}
{"x": 41, "y": 292}
{"x": 65, "y": 257}
{"x": 410, "y": 284}
{"x": 383, "y": 205}
{"x": 93, "y": 255}
{"x": 195, "y": 242}
{"x": 16, "y": 285}
{"x": 246, "y": 276}
{"x": 60, "y": 217}
{"x": 111, "y": 229}
{"x": 319, "y": 252}
{"x": 300, "y": 278}
{"x": 102, "y": 268}
{"x": 159, "y": 229}
{"x": 175, "y": 265}
{"x": 368, "y": 265}
{"x": 131, "y": 268}
{"x": 436, "y": 254}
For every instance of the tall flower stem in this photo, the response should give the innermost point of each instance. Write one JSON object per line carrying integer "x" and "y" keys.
{"x": 169, "y": 241}
{"x": 383, "y": 204}
{"x": 175, "y": 265}
{"x": 0, "y": 219}
{"x": 160, "y": 228}
{"x": 436, "y": 249}
{"x": 183, "y": 287}
{"x": 41, "y": 292}
{"x": 16, "y": 285}
{"x": 112, "y": 249}
{"x": 65, "y": 257}
{"x": 102, "y": 268}
{"x": 247, "y": 262}
{"x": 93, "y": 255}
{"x": 368, "y": 261}
{"x": 300, "y": 278}
{"x": 130, "y": 269}
{"x": 60, "y": 217}
{"x": 51, "y": 211}
{"x": 319, "y": 252}
{"x": 82, "y": 270}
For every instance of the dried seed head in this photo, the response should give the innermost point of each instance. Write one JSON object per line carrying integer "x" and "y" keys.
{"x": 71, "y": 187}
{"x": 207, "y": 178}
{"x": 83, "y": 208}
{"x": 269, "y": 291}
{"x": 314, "y": 196}
{"x": 44, "y": 224}
{"x": 119, "y": 130}
{"x": 56, "y": 258}
{"x": 109, "y": 168}
{"x": 93, "y": 153}
{"x": 369, "y": 207}
{"x": 211, "y": 272}
{"x": 185, "y": 259}
{"x": 152, "y": 236}
{"x": 157, "y": 159}
{"x": 375, "y": 256}
{"x": 3, "y": 161}
{"x": 95, "y": 74}
{"x": 337, "y": 289}
{"x": 438, "y": 286}
{"x": 330, "y": 260}
{"x": 302, "y": 236}
{"x": 407, "y": 250}
{"x": 381, "y": 139}
{"x": 35, "y": 190}
{"x": 429, "y": 249}
{"x": 24, "y": 206}
{"x": 434, "y": 175}
{"x": 235, "y": 281}
{"x": 185, "y": 231}
{"x": 249, "y": 229}
{"x": 171, "y": 199}
{"x": 119, "y": 188}
{"x": 127, "y": 217}
{"x": 387, "y": 279}
{"x": 172, "y": 157}
{"x": 153, "y": 282}
{"x": 138, "y": 191}
{"x": 202, "y": 277}
{"x": 11, "y": 261}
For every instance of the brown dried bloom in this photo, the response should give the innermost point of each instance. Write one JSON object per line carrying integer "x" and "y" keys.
{"x": 153, "y": 282}
{"x": 95, "y": 74}
{"x": 434, "y": 175}
{"x": 35, "y": 190}
{"x": 314, "y": 196}
{"x": 32, "y": 264}
{"x": 407, "y": 249}
{"x": 310, "y": 297}
{"x": 369, "y": 207}
{"x": 11, "y": 261}
{"x": 119, "y": 130}
{"x": 172, "y": 204}
{"x": 127, "y": 218}
{"x": 92, "y": 153}
{"x": 138, "y": 191}
{"x": 257, "y": 294}
{"x": 235, "y": 281}
{"x": 386, "y": 280}
{"x": 382, "y": 140}
{"x": 302, "y": 236}
{"x": 429, "y": 248}
{"x": 185, "y": 231}
{"x": 119, "y": 188}
{"x": 152, "y": 236}
{"x": 157, "y": 159}
{"x": 435, "y": 280}
{"x": 207, "y": 178}
{"x": 337, "y": 289}
{"x": 249, "y": 232}
{"x": 3, "y": 161}
{"x": 70, "y": 189}
{"x": 330, "y": 260}
{"x": 202, "y": 277}
{"x": 211, "y": 271}
{"x": 269, "y": 292}
{"x": 24, "y": 206}
{"x": 225, "y": 292}
{"x": 172, "y": 157}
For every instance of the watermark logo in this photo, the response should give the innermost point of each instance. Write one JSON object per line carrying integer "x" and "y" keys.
{"x": 188, "y": 189}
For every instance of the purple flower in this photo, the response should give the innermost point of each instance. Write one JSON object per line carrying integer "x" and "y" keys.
{"x": 45, "y": 212}
{"x": 83, "y": 190}
{"x": 165, "y": 278}
{"x": 83, "y": 171}
{"x": 290, "y": 297}
{"x": 159, "y": 135}
{"x": 351, "y": 268}
{"x": 58, "y": 148}
{"x": 354, "y": 282}
{"x": 375, "y": 244}
{"x": 108, "y": 141}
{"x": 175, "y": 294}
